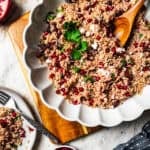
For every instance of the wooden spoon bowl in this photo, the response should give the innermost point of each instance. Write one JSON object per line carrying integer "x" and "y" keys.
{"x": 124, "y": 23}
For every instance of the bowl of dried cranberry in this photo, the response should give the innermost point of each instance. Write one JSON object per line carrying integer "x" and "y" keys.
{"x": 77, "y": 66}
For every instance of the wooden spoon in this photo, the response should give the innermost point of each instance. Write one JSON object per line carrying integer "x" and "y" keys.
{"x": 125, "y": 22}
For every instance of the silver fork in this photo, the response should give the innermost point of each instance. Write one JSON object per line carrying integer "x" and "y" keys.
{"x": 5, "y": 99}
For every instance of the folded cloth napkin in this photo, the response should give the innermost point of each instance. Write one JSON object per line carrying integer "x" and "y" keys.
{"x": 139, "y": 142}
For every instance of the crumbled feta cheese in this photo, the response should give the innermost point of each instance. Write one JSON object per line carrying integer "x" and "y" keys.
{"x": 82, "y": 30}
{"x": 141, "y": 55}
{"x": 88, "y": 34}
{"x": 103, "y": 72}
{"x": 92, "y": 27}
{"x": 120, "y": 50}
{"x": 94, "y": 45}
{"x": 48, "y": 61}
{"x": 60, "y": 14}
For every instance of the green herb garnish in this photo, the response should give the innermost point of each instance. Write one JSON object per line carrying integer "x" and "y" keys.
{"x": 88, "y": 79}
{"x": 60, "y": 9}
{"x": 76, "y": 55}
{"x": 70, "y": 26}
{"x": 17, "y": 118}
{"x": 112, "y": 76}
{"x": 73, "y": 35}
{"x": 123, "y": 63}
{"x": 75, "y": 69}
{"x": 140, "y": 35}
{"x": 82, "y": 47}
{"x": 50, "y": 16}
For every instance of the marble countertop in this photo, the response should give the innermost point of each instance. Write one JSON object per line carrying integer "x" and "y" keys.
{"x": 11, "y": 77}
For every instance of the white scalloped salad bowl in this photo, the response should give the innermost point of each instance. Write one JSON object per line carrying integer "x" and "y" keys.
{"x": 38, "y": 73}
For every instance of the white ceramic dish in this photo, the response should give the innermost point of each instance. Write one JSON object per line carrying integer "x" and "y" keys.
{"x": 29, "y": 140}
{"x": 129, "y": 110}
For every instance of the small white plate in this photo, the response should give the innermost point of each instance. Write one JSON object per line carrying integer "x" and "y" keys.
{"x": 38, "y": 74}
{"x": 29, "y": 140}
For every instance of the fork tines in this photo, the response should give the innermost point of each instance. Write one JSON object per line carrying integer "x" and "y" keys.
{"x": 4, "y": 98}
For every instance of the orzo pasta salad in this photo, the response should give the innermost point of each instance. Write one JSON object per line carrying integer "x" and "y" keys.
{"x": 84, "y": 58}
{"x": 11, "y": 131}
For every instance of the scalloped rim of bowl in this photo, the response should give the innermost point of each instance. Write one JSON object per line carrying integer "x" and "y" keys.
{"x": 114, "y": 122}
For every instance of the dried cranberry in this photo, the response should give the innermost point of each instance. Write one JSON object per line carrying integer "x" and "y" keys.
{"x": 113, "y": 49}
{"x": 146, "y": 68}
{"x": 82, "y": 72}
{"x": 75, "y": 90}
{"x": 91, "y": 101}
{"x": 142, "y": 44}
{"x": 109, "y": 8}
{"x": 75, "y": 102}
{"x": 89, "y": 20}
{"x": 3, "y": 123}
{"x": 127, "y": 94}
{"x": 135, "y": 44}
{"x": 96, "y": 78}
{"x": 62, "y": 81}
{"x": 51, "y": 76}
{"x": 22, "y": 133}
{"x": 64, "y": 92}
{"x": 116, "y": 103}
{"x": 123, "y": 87}
{"x": 81, "y": 89}
{"x": 14, "y": 114}
{"x": 58, "y": 92}
{"x": 98, "y": 37}
{"x": 63, "y": 56}
{"x": 67, "y": 74}
{"x": 101, "y": 65}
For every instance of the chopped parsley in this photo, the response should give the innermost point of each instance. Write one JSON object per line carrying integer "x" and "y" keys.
{"x": 123, "y": 63}
{"x": 73, "y": 35}
{"x": 75, "y": 69}
{"x": 112, "y": 76}
{"x": 88, "y": 79}
{"x": 82, "y": 47}
{"x": 76, "y": 55}
{"x": 140, "y": 35}
{"x": 79, "y": 50}
{"x": 50, "y": 16}
{"x": 70, "y": 26}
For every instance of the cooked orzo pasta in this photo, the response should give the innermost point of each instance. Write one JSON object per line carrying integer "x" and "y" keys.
{"x": 84, "y": 58}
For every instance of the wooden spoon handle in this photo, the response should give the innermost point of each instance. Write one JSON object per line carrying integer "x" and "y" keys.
{"x": 134, "y": 10}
